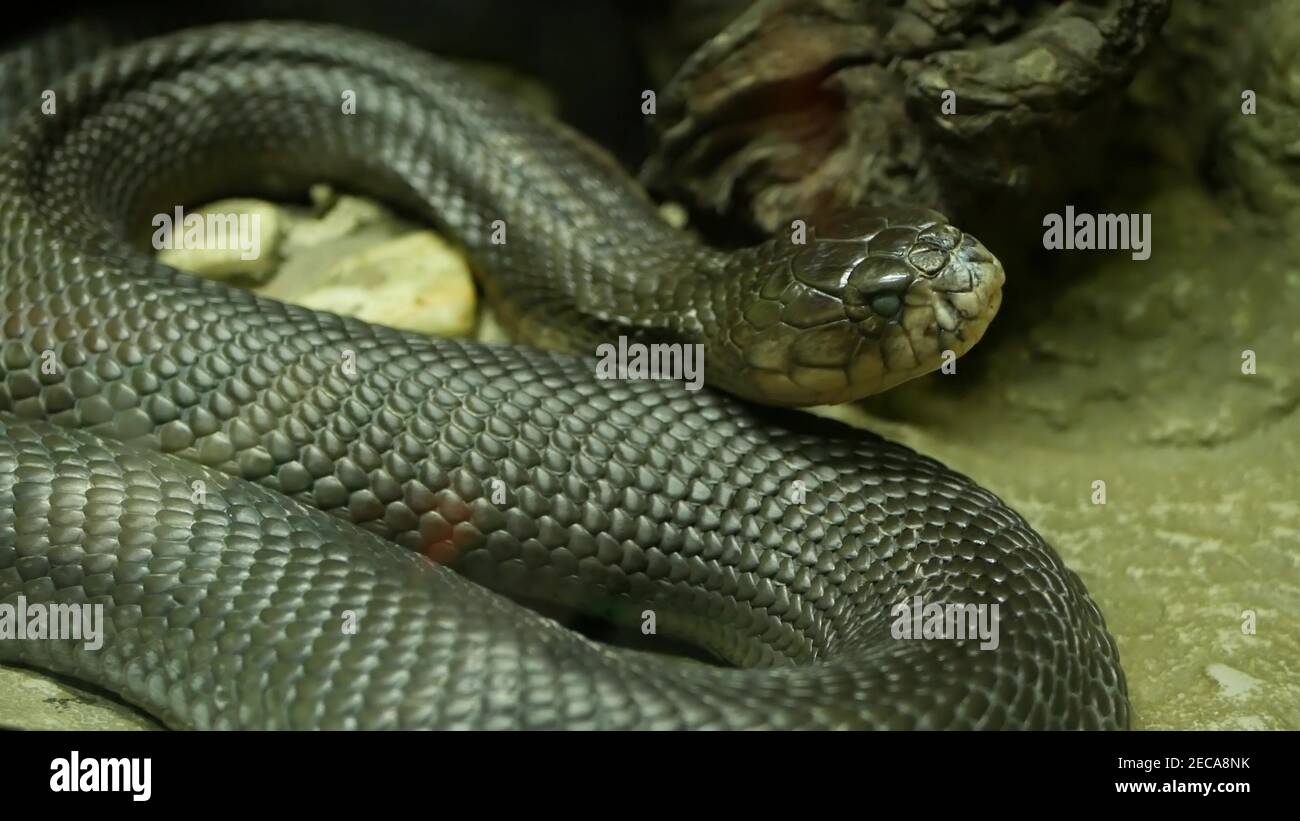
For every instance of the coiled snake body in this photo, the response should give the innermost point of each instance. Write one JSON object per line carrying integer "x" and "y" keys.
{"x": 237, "y": 480}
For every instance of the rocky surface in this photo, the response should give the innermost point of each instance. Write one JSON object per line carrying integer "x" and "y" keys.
{"x": 346, "y": 255}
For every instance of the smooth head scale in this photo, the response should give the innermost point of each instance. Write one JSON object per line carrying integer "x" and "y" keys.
{"x": 872, "y": 298}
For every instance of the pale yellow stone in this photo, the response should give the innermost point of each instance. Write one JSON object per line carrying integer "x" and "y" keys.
{"x": 346, "y": 215}
{"x": 416, "y": 282}
{"x": 356, "y": 258}
{"x": 490, "y": 328}
{"x": 253, "y": 257}
{"x": 675, "y": 214}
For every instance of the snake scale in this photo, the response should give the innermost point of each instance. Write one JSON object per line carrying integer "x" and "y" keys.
{"x": 336, "y": 458}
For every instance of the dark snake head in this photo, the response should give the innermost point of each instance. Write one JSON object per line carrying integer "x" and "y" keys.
{"x": 872, "y": 298}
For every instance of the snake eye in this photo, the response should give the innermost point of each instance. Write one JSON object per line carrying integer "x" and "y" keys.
{"x": 887, "y": 305}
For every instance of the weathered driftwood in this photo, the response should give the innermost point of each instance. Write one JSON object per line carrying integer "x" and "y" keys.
{"x": 802, "y": 105}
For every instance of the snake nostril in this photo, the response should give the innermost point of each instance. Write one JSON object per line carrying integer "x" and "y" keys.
{"x": 886, "y": 305}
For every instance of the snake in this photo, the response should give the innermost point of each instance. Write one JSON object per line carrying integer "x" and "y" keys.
{"x": 297, "y": 520}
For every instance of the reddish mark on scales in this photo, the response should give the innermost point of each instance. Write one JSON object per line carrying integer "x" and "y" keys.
{"x": 445, "y": 531}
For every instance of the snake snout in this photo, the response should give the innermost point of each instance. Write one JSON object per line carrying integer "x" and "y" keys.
{"x": 966, "y": 294}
